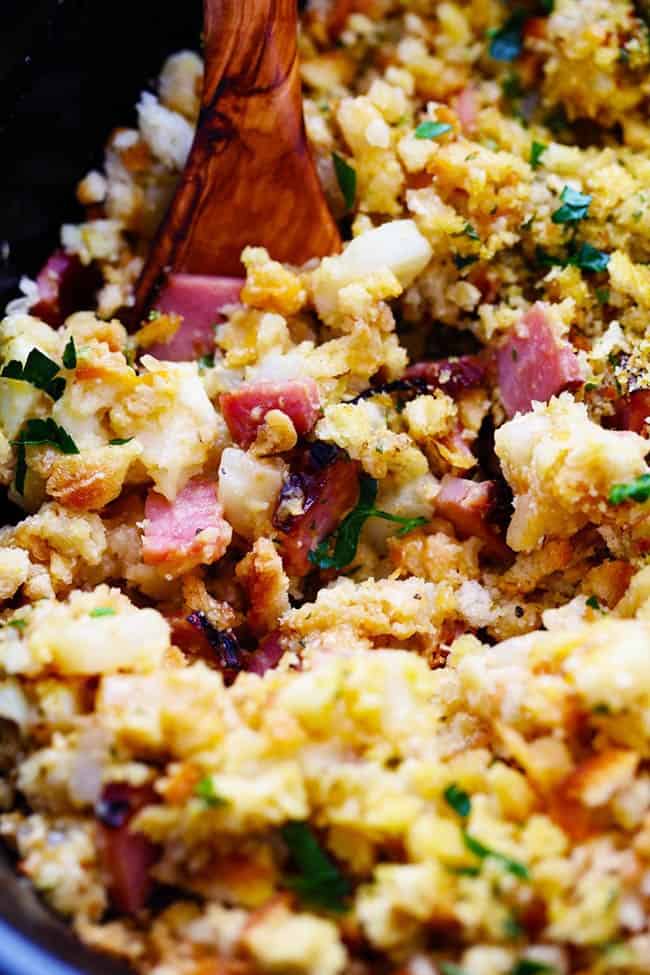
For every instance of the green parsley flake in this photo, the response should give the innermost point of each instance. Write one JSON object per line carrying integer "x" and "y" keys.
{"x": 575, "y": 206}
{"x": 448, "y": 968}
{"x": 466, "y": 871}
{"x": 346, "y": 537}
{"x": 431, "y": 130}
{"x": 39, "y": 370}
{"x": 512, "y": 928}
{"x": 506, "y": 41}
{"x": 458, "y": 799}
{"x": 70, "y": 354}
{"x": 119, "y": 441}
{"x": 18, "y": 624}
{"x": 636, "y": 490}
{"x": 205, "y": 790}
{"x": 346, "y": 177}
{"x": 102, "y": 611}
{"x": 530, "y": 966}
{"x": 593, "y": 603}
{"x": 537, "y": 150}
{"x": 584, "y": 256}
{"x": 470, "y": 231}
{"x": 464, "y": 261}
{"x": 589, "y": 258}
{"x": 319, "y": 882}
{"x": 35, "y": 433}
{"x": 602, "y": 296}
{"x": 514, "y": 867}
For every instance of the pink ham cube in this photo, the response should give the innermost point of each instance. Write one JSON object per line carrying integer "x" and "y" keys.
{"x": 534, "y": 364}
{"x": 198, "y": 299}
{"x": 468, "y": 505}
{"x": 65, "y": 285}
{"x": 186, "y": 532}
{"x": 245, "y": 408}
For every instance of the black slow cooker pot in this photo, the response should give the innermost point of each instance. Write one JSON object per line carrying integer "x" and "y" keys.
{"x": 70, "y": 71}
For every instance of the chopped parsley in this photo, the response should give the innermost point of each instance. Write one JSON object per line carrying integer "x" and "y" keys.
{"x": 70, "y": 354}
{"x": 479, "y": 849}
{"x": 589, "y": 258}
{"x": 319, "y": 882}
{"x": 431, "y": 130}
{"x": 584, "y": 256}
{"x": 511, "y": 927}
{"x": 506, "y": 41}
{"x": 602, "y": 296}
{"x": 119, "y": 441}
{"x": 205, "y": 790}
{"x": 593, "y": 603}
{"x": 18, "y": 624}
{"x": 537, "y": 150}
{"x": 530, "y": 966}
{"x": 462, "y": 261}
{"x": 39, "y": 370}
{"x": 346, "y": 537}
{"x": 466, "y": 871}
{"x": 346, "y": 177}
{"x": 636, "y": 490}
{"x": 448, "y": 968}
{"x": 102, "y": 611}
{"x": 35, "y": 433}
{"x": 206, "y": 361}
{"x": 470, "y": 231}
{"x": 575, "y": 206}
{"x": 458, "y": 799}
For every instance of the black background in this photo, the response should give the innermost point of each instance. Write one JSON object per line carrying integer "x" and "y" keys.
{"x": 70, "y": 70}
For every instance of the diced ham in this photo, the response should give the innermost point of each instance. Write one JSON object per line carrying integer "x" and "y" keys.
{"x": 244, "y": 409}
{"x": 65, "y": 285}
{"x": 452, "y": 376}
{"x": 198, "y": 299}
{"x": 468, "y": 505}
{"x": 267, "y": 656}
{"x": 633, "y": 411}
{"x": 465, "y": 107}
{"x": 127, "y": 856}
{"x": 186, "y": 532}
{"x": 325, "y": 493}
{"x": 533, "y": 364}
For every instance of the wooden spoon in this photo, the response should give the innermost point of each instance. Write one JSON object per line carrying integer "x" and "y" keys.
{"x": 249, "y": 178}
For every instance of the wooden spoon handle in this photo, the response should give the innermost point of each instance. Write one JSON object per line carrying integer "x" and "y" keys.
{"x": 250, "y": 178}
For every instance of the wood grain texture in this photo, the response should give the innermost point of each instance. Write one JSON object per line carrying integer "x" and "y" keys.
{"x": 250, "y": 178}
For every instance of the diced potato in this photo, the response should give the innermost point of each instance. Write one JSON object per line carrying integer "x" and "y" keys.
{"x": 398, "y": 247}
{"x": 248, "y": 490}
